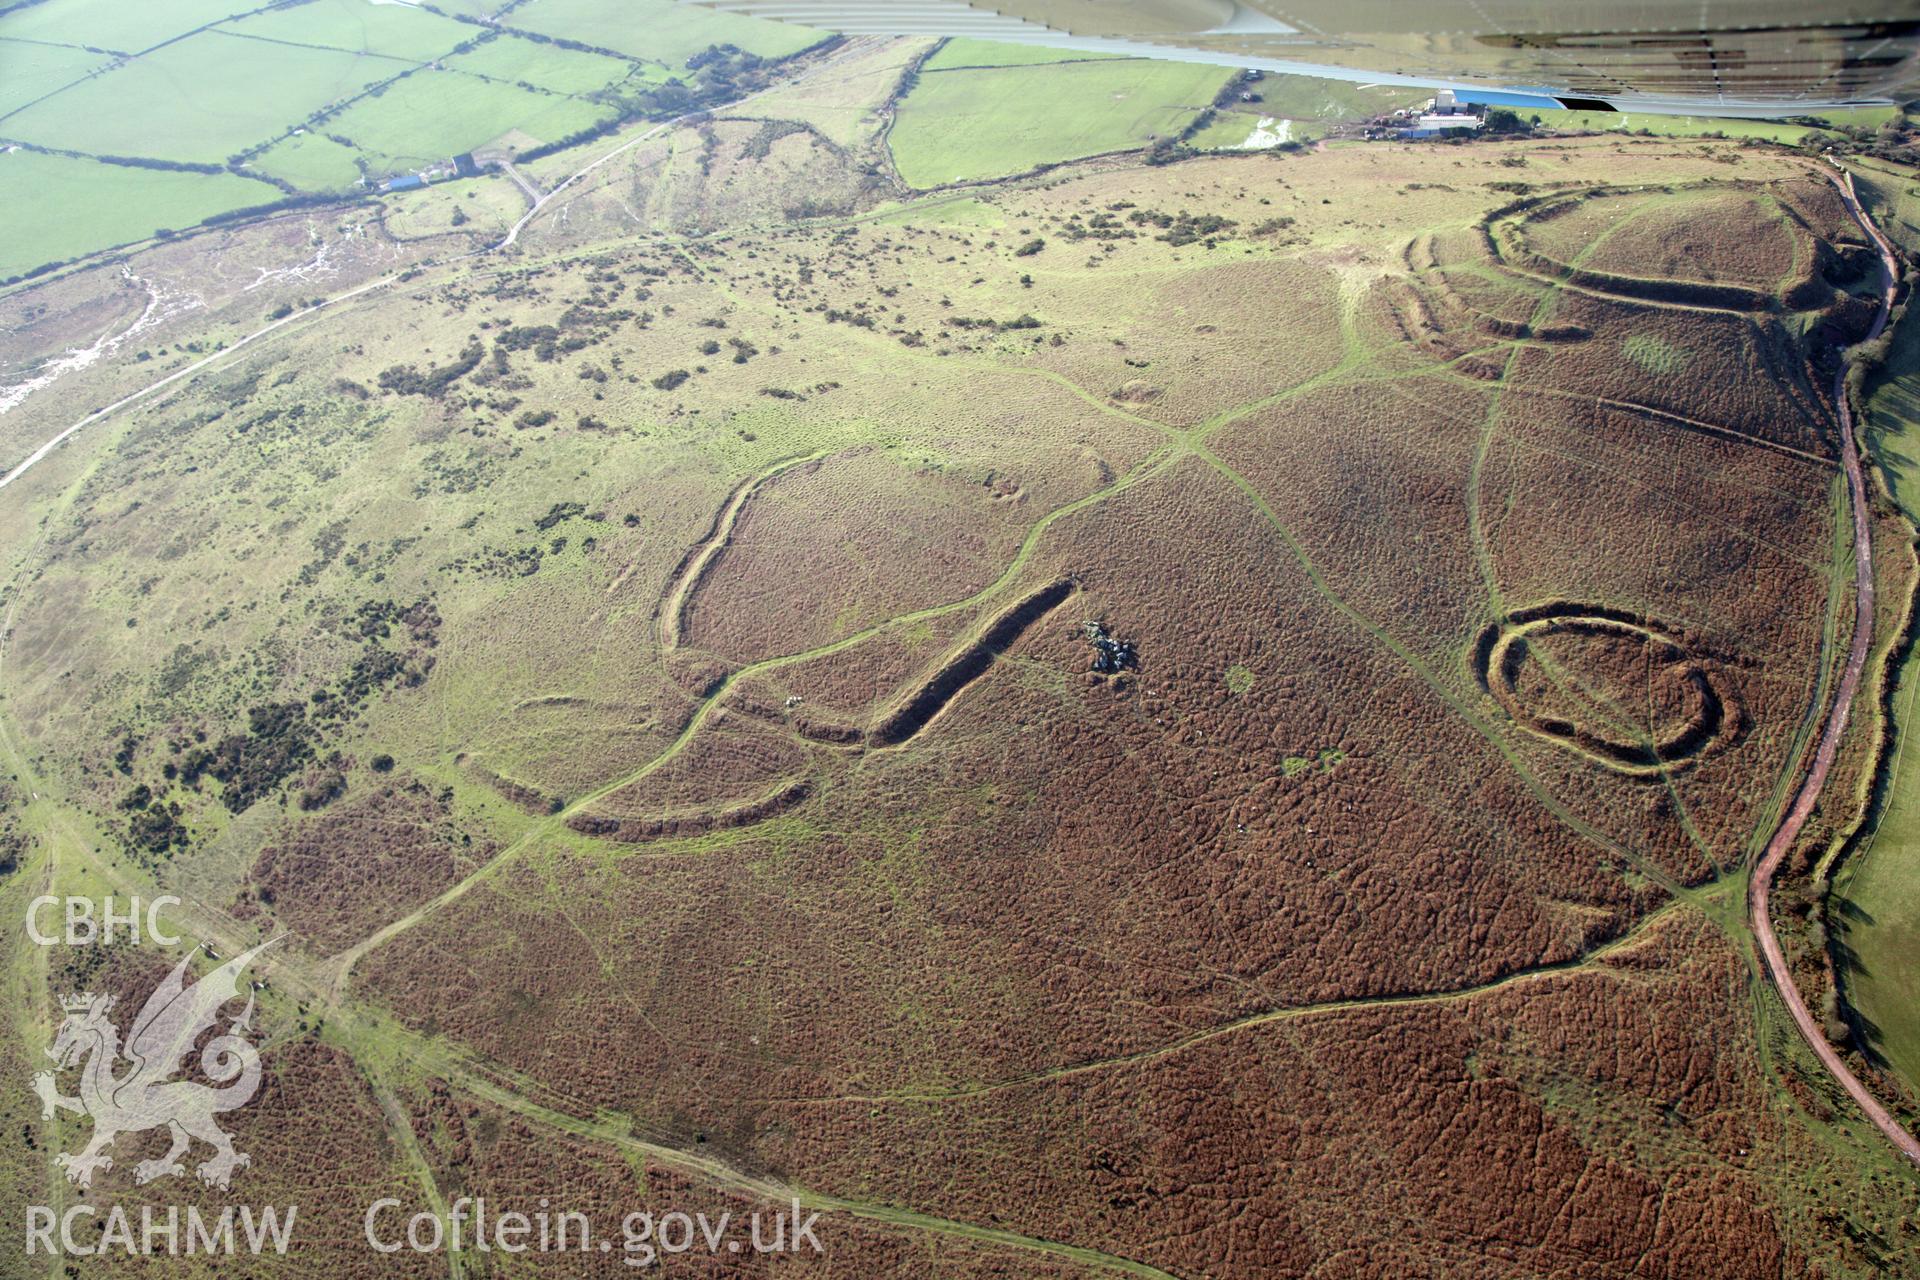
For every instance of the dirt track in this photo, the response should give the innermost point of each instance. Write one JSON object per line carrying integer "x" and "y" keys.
{"x": 1789, "y": 829}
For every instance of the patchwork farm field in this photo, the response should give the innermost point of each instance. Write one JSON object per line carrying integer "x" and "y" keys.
{"x": 36, "y": 70}
{"x": 326, "y": 100}
{"x": 1694, "y": 126}
{"x": 962, "y": 52}
{"x": 971, "y": 123}
{"x": 404, "y": 32}
{"x": 313, "y": 162}
{"x": 109, "y": 25}
{"x": 660, "y": 31}
{"x": 435, "y": 114}
{"x": 550, "y": 67}
{"x": 111, "y": 204}
{"x": 184, "y": 113}
{"x": 1144, "y": 720}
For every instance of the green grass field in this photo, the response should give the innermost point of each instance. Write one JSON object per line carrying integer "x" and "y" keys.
{"x": 963, "y": 52}
{"x": 102, "y": 204}
{"x": 958, "y": 125}
{"x": 1311, "y": 98}
{"x": 548, "y": 66}
{"x": 311, "y": 162}
{"x": 434, "y": 114}
{"x": 1669, "y": 126}
{"x": 1231, "y": 130}
{"x": 1893, "y": 197}
{"x": 115, "y": 24}
{"x": 391, "y": 30}
{"x": 1878, "y": 890}
{"x": 35, "y": 70}
{"x": 200, "y": 100}
{"x": 658, "y": 30}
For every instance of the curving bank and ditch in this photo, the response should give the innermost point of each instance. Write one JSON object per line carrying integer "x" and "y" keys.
{"x": 1712, "y": 720}
{"x": 1760, "y": 887}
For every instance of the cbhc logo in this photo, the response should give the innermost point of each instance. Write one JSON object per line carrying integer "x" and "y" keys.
{"x": 84, "y": 926}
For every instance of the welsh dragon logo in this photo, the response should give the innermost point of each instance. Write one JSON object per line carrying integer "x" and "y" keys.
{"x": 144, "y": 1095}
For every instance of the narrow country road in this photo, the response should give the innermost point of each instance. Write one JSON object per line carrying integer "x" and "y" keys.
{"x": 520, "y": 179}
{"x": 187, "y": 371}
{"x": 1761, "y": 886}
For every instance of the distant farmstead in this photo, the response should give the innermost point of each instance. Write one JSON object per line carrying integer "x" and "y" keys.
{"x": 460, "y": 166}
{"x": 1445, "y": 114}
